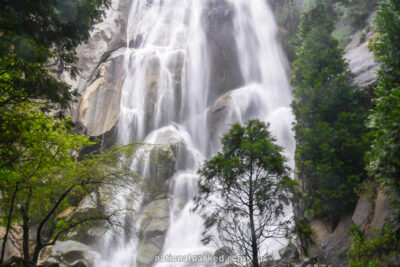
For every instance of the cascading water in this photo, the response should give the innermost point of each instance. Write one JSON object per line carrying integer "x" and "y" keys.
{"x": 192, "y": 68}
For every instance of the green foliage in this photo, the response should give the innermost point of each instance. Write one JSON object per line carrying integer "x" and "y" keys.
{"x": 373, "y": 252}
{"x": 250, "y": 177}
{"x": 329, "y": 120}
{"x": 303, "y": 231}
{"x": 38, "y": 163}
{"x": 39, "y": 34}
{"x": 383, "y": 158}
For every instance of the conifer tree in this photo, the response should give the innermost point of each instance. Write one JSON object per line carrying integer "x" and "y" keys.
{"x": 329, "y": 119}
{"x": 384, "y": 156}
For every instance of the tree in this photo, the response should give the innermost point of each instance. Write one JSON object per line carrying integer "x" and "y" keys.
{"x": 46, "y": 178}
{"x": 39, "y": 34}
{"x": 244, "y": 189}
{"x": 384, "y": 155}
{"x": 330, "y": 117}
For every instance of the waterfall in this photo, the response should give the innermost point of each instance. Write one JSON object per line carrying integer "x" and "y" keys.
{"x": 192, "y": 68}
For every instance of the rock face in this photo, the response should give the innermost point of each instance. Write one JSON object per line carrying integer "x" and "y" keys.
{"x": 360, "y": 59}
{"x": 335, "y": 248}
{"x": 100, "y": 77}
{"x": 152, "y": 231}
{"x": 11, "y": 248}
{"x": 372, "y": 212}
{"x": 72, "y": 254}
{"x": 99, "y": 107}
{"x": 370, "y": 215}
{"x": 321, "y": 231}
{"x": 225, "y": 71}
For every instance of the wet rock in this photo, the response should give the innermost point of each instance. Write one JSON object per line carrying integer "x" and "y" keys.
{"x": 161, "y": 169}
{"x": 225, "y": 71}
{"x": 156, "y": 218}
{"x": 146, "y": 254}
{"x": 217, "y": 117}
{"x": 152, "y": 231}
{"x": 72, "y": 254}
{"x": 289, "y": 253}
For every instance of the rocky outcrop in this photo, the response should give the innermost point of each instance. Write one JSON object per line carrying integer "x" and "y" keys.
{"x": 320, "y": 233}
{"x": 99, "y": 107}
{"x": 100, "y": 77}
{"x": 225, "y": 71}
{"x": 108, "y": 36}
{"x": 372, "y": 212}
{"x": 71, "y": 254}
{"x": 361, "y": 61}
{"x": 335, "y": 248}
{"x": 152, "y": 231}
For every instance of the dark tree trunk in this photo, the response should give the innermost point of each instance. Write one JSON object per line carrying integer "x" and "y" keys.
{"x": 36, "y": 253}
{"x": 3, "y": 249}
{"x": 25, "y": 237}
{"x": 254, "y": 246}
{"x": 26, "y": 229}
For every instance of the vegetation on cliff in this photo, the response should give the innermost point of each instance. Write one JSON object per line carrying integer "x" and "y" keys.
{"x": 329, "y": 124}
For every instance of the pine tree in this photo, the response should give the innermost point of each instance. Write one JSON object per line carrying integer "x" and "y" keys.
{"x": 384, "y": 157}
{"x": 329, "y": 119}
{"x": 251, "y": 179}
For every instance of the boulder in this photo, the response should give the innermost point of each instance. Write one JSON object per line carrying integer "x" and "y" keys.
{"x": 72, "y": 254}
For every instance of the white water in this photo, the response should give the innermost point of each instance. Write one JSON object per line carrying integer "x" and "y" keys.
{"x": 167, "y": 96}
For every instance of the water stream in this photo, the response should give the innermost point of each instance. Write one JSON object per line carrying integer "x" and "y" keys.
{"x": 193, "y": 67}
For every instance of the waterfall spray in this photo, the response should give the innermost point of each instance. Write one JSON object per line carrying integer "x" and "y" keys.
{"x": 192, "y": 68}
